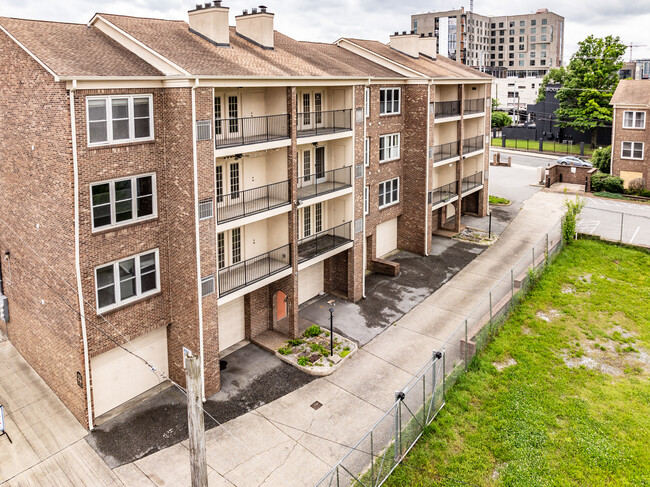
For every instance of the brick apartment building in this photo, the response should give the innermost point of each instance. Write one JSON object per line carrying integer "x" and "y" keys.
{"x": 630, "y": 131}
{"x": 170, "y": 186}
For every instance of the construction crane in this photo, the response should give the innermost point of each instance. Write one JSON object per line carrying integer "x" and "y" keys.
{"x": 631, "y": 45}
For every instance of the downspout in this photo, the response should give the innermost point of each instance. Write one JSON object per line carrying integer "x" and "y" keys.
{"x": 77, "y": 259}
{"x": 365, "y": 135}
{"x": 426, "y": 158}
{"x": 196, "y": 236}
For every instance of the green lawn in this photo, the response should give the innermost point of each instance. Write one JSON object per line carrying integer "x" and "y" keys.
{"x": 547, "y": 146}
{"x": 498, "y": 200}
{"x": 539, "y": 421}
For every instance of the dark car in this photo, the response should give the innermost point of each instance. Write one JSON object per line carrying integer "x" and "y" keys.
{"x": 574, "y": 161}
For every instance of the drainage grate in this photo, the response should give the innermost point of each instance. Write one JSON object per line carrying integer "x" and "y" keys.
{"x": 316, "y": 405}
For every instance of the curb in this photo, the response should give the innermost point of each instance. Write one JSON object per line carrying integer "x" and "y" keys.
{"x": 321, "y": 371}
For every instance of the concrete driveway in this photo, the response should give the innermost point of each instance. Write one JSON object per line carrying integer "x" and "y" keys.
{"x": 390, "y": 298}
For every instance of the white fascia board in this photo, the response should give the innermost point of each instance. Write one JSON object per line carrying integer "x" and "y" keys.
{"x": 22, "y": 46}
{"x": 137, "y": 47}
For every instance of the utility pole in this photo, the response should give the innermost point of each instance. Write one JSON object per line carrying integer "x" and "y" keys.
{"x": 195, "y": 424}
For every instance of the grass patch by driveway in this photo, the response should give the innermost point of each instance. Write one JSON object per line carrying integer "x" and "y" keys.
{"x": 547, "y": 146}
{"x": 562, "y": 394}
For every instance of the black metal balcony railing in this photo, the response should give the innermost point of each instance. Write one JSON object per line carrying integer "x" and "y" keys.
{"x": 325, "y": 182}
{"x": 471, "y": 182}
{"x": 319, "y": 243}
{"x": 472, "y": 144}
{"x": 328, "y": 122}
{"x": 229, "y": 132}
{"x": 242, "y": 274}
{"x": 444, "y": 193}
{"x": 447, "y": 108}
{"x": 476, "y": 105}
{"x": 249, "y": 201}
{"x": 445, "y": 151}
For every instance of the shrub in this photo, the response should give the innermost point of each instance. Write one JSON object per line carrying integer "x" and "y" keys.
{"x": 317, "y": 347}
{"x": 597, "y": 181}
{"x": 501, "y": 119}
{"x": 285, "y": 350}
{"x": 312, "y": 331}
{"x": 604, "y": 182}
{"x": 602, "y": 158}
{"x": 295, "y": 342}
{"x": 303, "y": 361}
{"x": 570, "y": 220}
{"x": 636, "y": 186}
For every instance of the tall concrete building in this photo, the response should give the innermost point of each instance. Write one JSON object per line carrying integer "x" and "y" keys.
{"x": 525, "y": 45}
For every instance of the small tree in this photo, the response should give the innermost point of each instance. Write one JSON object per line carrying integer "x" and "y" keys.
{"x": 570, "y": 220}
{"x": 495, "y": 104}
{"x": 501, "y": 119}
{"x": 602, "y": 159}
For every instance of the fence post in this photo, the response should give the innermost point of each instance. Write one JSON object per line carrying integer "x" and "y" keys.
{"x": 372, "y": 459}
{"x": 444, "y": 374}
{"x": 466, "y": 344}
{"x": 503, "y": 140}
{"x": 433, "y": 378}
{"x": 621, "y": 239}
{"x": 541, "y": 144}
{"x": 398, "y": 421}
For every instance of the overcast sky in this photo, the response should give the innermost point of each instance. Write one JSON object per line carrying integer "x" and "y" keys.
{"x": 328, "y": 20}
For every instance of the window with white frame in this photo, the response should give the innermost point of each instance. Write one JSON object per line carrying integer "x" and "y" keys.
{"x": 207, "y": 286}
{"x": 119, "y": 119}
{"x": 388, "y": 147}
{"x": 633, "y": 120}
{"x": 632, "y": 150}
{"x": 389, "y": 101}
{"x": 388, "y": 192}
{"x": 366, "y": 152}
{"x": 366, "y": 200}
{"x": 205, "y": 209}
{"x": 366, "y": 103}
{"x": 127, "y": 280}
{"x": 123, "y": 201}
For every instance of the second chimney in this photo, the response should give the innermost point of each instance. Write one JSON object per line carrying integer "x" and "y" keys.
{"x": 406, "y": 43}
{"x": 257, "y": 27}
{"x": 428, "y": 45}
{"x": 211, "y": 22}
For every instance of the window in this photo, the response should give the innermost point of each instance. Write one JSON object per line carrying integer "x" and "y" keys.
{"x": 388, "y": 192}
{"x": 511, "y": 32}
{"x": 533, "y": 22}
{"x": 511, "y": 24}
{"x": 521, "y": 55}
{"x": 366, "y": 102}
{"x": 532, "y": 62}
{"x": 521, "y": 47}
{"x": 366, "y": 200}
{"x": 544, "y": 21}
{"x": 236, "y": 245}
{"x": 533, "y": 30}
{"x": 533, "y": 38}
{"x": 511, "y": 63}
{"x": 388, "y": 147}
{"x": 522, "y": 23}
{"x": 366, "y": 152}
{"x": 511, "y": 55}
{"x": 543, "y": 38}
{"x": 123, "y": 201}
{"x": 500, "y": 56}
{"x": 127, "y": 280}
{"x": 522, "y": 31}
{"x": 544, "y": 30}
{"x": 318, "y": 210}
{"x": 389, "y": 101}
{"x": 543, "y": 54}
{"x": 511, "y": 40}
{"x": 521, "y": 63}
{"x": 306, "y": 165}
{"x": 500, "y": 24}
{"x": 221, "y": 250}
{"x": 633, "y": 120}
{"x": 306, "y": 221}
{"x": 542, "y": 62}
{"x": 119, "y": 119}
{"x": 207, "y": 286}
{"x": 632, "y": 150}
{"x": 205, "y": 209}
{"x": 532, "y": 54}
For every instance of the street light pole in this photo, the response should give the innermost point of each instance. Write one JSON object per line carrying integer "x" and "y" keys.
{"x": 331, "y": 332}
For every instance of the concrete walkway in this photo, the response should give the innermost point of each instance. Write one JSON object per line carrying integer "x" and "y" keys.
{"x": 293, "y": 441}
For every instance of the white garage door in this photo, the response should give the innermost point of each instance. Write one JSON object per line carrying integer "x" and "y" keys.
{"x": 386, "y": 235}
{"x": 310, "y": 282}
{"x": 119, "y": 376}
{"x": 231, "y": 323}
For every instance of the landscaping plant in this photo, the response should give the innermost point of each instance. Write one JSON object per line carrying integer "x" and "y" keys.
{"x": 570, "y": 220}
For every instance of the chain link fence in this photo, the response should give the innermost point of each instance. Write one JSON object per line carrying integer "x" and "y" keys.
{"x": 370, "y": 462}
{"x": 616, "y": 226}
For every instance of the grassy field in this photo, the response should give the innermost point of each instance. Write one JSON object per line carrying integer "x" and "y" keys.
{"x": 498, "y": 200}
{"x": 562, "y": 394}
{"x": 548, "y": 146}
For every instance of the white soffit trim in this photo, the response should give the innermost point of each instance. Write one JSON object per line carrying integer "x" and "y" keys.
{"x": 140, "y": 49}
{"x": 377, "y": 58}
{"x": 56, "y": 77}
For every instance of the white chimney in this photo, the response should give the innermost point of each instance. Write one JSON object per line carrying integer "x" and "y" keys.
{"x": 256, "y": 26}
{"x": 211, "y": 21}
{"x": 428, "y": 45}
{"x": 406, "y": 43}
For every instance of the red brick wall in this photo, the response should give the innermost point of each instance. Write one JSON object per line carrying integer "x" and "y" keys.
{"x": 36, "y": 202}
{"x": 631, "y": 135}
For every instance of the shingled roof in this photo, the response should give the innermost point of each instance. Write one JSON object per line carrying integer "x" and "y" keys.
{"x": 632, "y": 92}
{"x": 76, "y": 50}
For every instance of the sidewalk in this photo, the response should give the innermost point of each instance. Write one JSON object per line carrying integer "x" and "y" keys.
{"x": 295, "y": 440}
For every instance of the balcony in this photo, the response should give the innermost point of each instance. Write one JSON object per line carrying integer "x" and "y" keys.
{"x": 325, "y": 182}
{"x": 310, "y": 124}
{"x": 322, "y": 242}
{"x": 477, "y": 105}
{"x": 444, "y": 193}
{"x": 447, "y": 108}
{"x": 231, "y": 132}
{"x": 473, "y": 144}
{"x": 470, "y": 182}
{"x": 250, "y": 201}
{"x": 445, "y": 151}
{"x": 242, "y": 274}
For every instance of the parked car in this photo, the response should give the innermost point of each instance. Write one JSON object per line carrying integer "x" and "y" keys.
{"x": 574, "y": 161}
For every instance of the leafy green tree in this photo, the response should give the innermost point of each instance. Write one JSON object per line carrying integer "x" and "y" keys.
{"x": 590, "y": 81}
{"x": 495, "y": 104}
{"x": 501, "y": 119}
{"x": 602, "y": 158}
{"x": 555, "y": 75}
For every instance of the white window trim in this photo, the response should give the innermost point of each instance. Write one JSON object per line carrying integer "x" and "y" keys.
{"x": 366, "y": 152}
{"x": 399, "y": 146}
{"x": 366, "y": 200}
{"x": 633, "y": 120}
{"x": 366, "y": 103}
{"x": 399, "y": 110}
{"x": 109, "y": 125}
{"x": 632, "y": 150}
{"x": 392, "y": 181}
{"x": 134, "y": 204}
{"x": 116, "y": 278}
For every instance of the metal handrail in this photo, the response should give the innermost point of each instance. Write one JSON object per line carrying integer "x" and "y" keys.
{"x": 229, "y": 132}
{"x": 472, "y": 181}
{"x": 242, "y": 274}
{"x": 444, "y": 193}
{"x": 323, "y": 122}
{"x": 325, "y": 182}
{"x": 239, "y": 204}
{"x": 445, "y": 151}
{"x": 473, "y": 144}
{"x": 447, "y": 108}
{"x": 475, "y": 105}
{"x": 324, "y": 241}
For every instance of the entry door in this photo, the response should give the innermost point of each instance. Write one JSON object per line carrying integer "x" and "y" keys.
{"x": 226, "y": 113}
{"x": 228, "y": 181}
{"x": 229, "y": 247}
{"x": 312, "y": 220}
{"x": 311, "y": 106}
{"x": 281, "y": 305}
{"x": 307, "y": 169}
{"x": 320, "y": 164}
